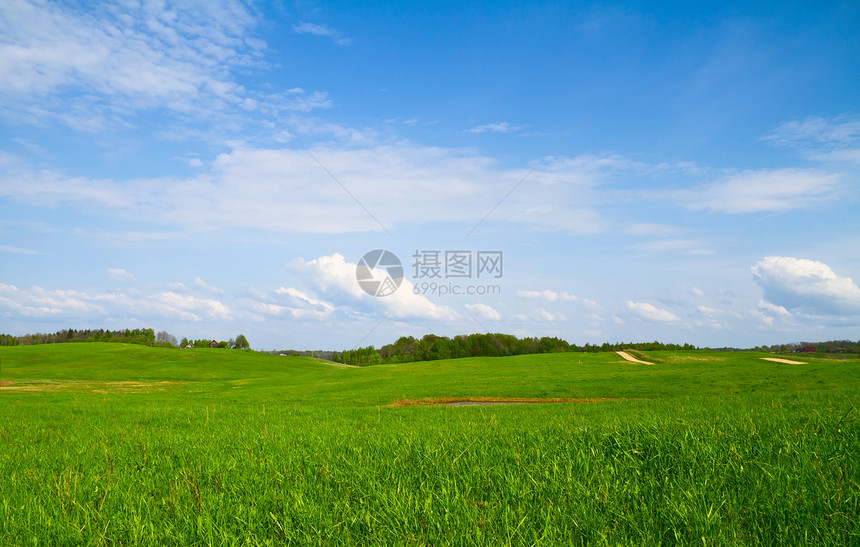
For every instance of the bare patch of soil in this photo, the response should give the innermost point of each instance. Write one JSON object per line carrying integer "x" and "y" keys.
{"x": 5, "y": 383}
{"x": 488, "y": 401}
{"x": 786, "y": 361}
{"x": 627, "y": 357}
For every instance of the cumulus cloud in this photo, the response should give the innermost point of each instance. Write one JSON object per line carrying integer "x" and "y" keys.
{"x": 41, "y": 302}
{"x": 484, "y": 311}
{"x": 70, "y": 305}
{"x": 187, "y": 308}
{"x": 650, "y": 312}
{"x": 334, "y": 275}
{"x": 805, "y": 285}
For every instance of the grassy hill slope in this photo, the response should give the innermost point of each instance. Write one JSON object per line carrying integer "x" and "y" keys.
{"x": 113, "y": 444}
{"x": 86, "y": 367}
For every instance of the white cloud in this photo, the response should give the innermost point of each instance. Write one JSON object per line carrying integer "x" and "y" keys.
{"x": 282, "y": 190}
{"x": 548, "y": 295}
{"x": 843, "y": 130}
{"x": 499, "y": 127}
{"x": 40, "y": 302}
{"x": 84, "y": 68}
{"x": 321, "y": 30}
{"x": 836, "y": 139}
{"x": 806, "y": 285}
{"x": 304, "y": 305}
{"x": 310, "y": 28}
{"x": 484, "y": 311}
{"x": 651, "y": 313}
{"x": 773, "y": 309}
{"x": 295, "y": 293}
{"x": 762, "y": 317}
{"x": 540, "y": 315}
{"x": 187, "y": 308}
{"x": 200, "y": 284}
{"x": 70, "y": 305}
{"x": 551, "y": 317}
{"x": 17, "y": 250}
{"x": 119, "y": 274}
{"x": 774, "y": 190}
{"x": 333, "y": 274}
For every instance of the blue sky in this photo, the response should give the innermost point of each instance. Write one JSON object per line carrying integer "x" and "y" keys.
{"x": 685, "y": 173}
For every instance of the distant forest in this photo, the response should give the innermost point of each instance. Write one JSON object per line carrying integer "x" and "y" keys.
{"x": 408, "y": 349}
{"x": 145, "y": 337}
{"x": 431, "y": 347}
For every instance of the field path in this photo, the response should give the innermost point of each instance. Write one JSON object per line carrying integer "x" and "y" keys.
{"x": 627, "y": 357}
{"x": 787, "y": 361}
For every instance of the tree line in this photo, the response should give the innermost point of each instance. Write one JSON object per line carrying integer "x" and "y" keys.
{"x": 431, "y": 347}
{"x": 831, "y": 346}
{"x": 146, "y": 337}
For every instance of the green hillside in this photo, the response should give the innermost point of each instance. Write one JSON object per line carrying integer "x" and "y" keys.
{"x": 122, "y": 444}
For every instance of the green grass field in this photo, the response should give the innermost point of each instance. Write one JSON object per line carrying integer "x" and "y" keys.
{"x": 109, "y": 444}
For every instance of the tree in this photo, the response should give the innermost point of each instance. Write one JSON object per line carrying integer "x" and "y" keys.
{"x": 242, "y": 342}
{"x": 184, "y": 343}
{"x": 165, "y": 336}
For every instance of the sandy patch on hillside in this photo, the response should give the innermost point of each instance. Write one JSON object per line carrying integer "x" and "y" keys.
{"x": 487, "y": 401}
{"x": 627, "y": 357}
{"x": 786, "y": 361}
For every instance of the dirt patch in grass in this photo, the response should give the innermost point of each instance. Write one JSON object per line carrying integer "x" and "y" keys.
{"x": 627, "y": 357}
{"x": 488, "y": 401}
{"x": 6, "y": 383}
{"x": 786, "y": 361}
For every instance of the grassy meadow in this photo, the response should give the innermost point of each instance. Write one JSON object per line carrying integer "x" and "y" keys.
{"x": 111, "y": 444}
